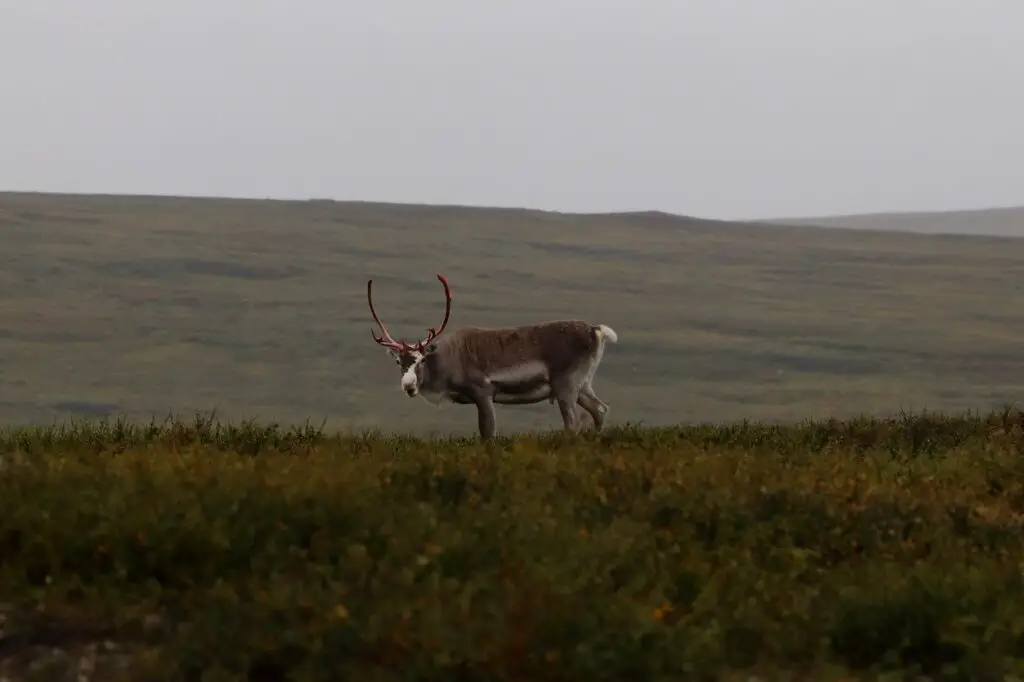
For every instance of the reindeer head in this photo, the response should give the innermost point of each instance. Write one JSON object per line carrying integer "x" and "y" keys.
{"x": 409, "y": 356}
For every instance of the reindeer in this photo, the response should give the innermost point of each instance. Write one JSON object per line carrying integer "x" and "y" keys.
{"x": 554, "y": 361}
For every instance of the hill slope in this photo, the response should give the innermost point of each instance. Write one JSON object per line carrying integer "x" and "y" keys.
{"x": 144, "y": 305}
{"x": 1006, "y": 222}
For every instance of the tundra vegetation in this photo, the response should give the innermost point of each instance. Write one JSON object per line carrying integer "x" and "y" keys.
{"x": 827, "y": 550}
{"x": 822, "y": 540}
{"x": 143, "y": 306}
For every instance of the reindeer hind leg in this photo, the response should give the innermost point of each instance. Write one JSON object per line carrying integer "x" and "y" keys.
{"x": 567, "y": 394}
{"x": 567, "y": 407}
{"x": 597, "y": 409}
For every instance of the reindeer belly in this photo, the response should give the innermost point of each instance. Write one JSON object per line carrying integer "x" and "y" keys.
{"x": 460, "y": 397}
{"x": 519, "y": 395}
{"x": 521, "y": 385}
{"x": 516, "y": 394}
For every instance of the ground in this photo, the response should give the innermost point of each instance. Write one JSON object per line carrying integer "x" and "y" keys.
{"x": 834, "y": 551}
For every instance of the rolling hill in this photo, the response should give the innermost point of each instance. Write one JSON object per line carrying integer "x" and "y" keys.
{"x": 1005, "y": 222}
{"x": 143, "y": 305}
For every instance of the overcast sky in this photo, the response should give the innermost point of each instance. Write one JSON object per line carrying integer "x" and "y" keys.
{"x": 716, "y": 108}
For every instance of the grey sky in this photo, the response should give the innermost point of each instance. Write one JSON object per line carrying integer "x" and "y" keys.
{"x": 718, "y": 108}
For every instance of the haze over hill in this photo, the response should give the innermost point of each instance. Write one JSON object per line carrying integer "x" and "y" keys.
{"x": 737, "y": 110}
{"x": 1007, "y": 221}
{"x": 147, "y": 305}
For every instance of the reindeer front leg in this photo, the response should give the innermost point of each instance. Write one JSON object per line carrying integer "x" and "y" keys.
{"x": 486, "y": 419}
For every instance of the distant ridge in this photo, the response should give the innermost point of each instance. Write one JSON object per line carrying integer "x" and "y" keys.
{"x": 649, "y": 218}
{"x": 989, "y": 222}
{"x": 1005, "y": 221}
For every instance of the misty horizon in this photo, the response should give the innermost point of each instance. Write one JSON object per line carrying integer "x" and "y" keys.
{"x": 720, "y": 110}
{"x": 512, "y": 207}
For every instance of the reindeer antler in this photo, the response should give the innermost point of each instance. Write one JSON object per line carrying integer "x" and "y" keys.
{"x": 431, "y": 332}
{"x": 388, "y": 342}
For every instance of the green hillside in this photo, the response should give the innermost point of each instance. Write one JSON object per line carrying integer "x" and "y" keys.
{"x": 145, "y": 305}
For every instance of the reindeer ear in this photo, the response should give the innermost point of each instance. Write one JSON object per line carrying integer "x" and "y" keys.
{"x": 431, "y": 347}
{"x": 394, "y": 354}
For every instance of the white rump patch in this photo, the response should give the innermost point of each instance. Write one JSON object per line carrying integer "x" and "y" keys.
{"x": 608, "y": 333}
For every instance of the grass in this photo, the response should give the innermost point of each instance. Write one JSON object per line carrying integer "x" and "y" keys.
{"x": 830, "y": 550}
{"x": 257, "y": 309}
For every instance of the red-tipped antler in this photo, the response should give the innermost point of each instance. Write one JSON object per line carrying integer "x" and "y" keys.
{"x": 431, "y": 332}
{"x": 387, "y": 341}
